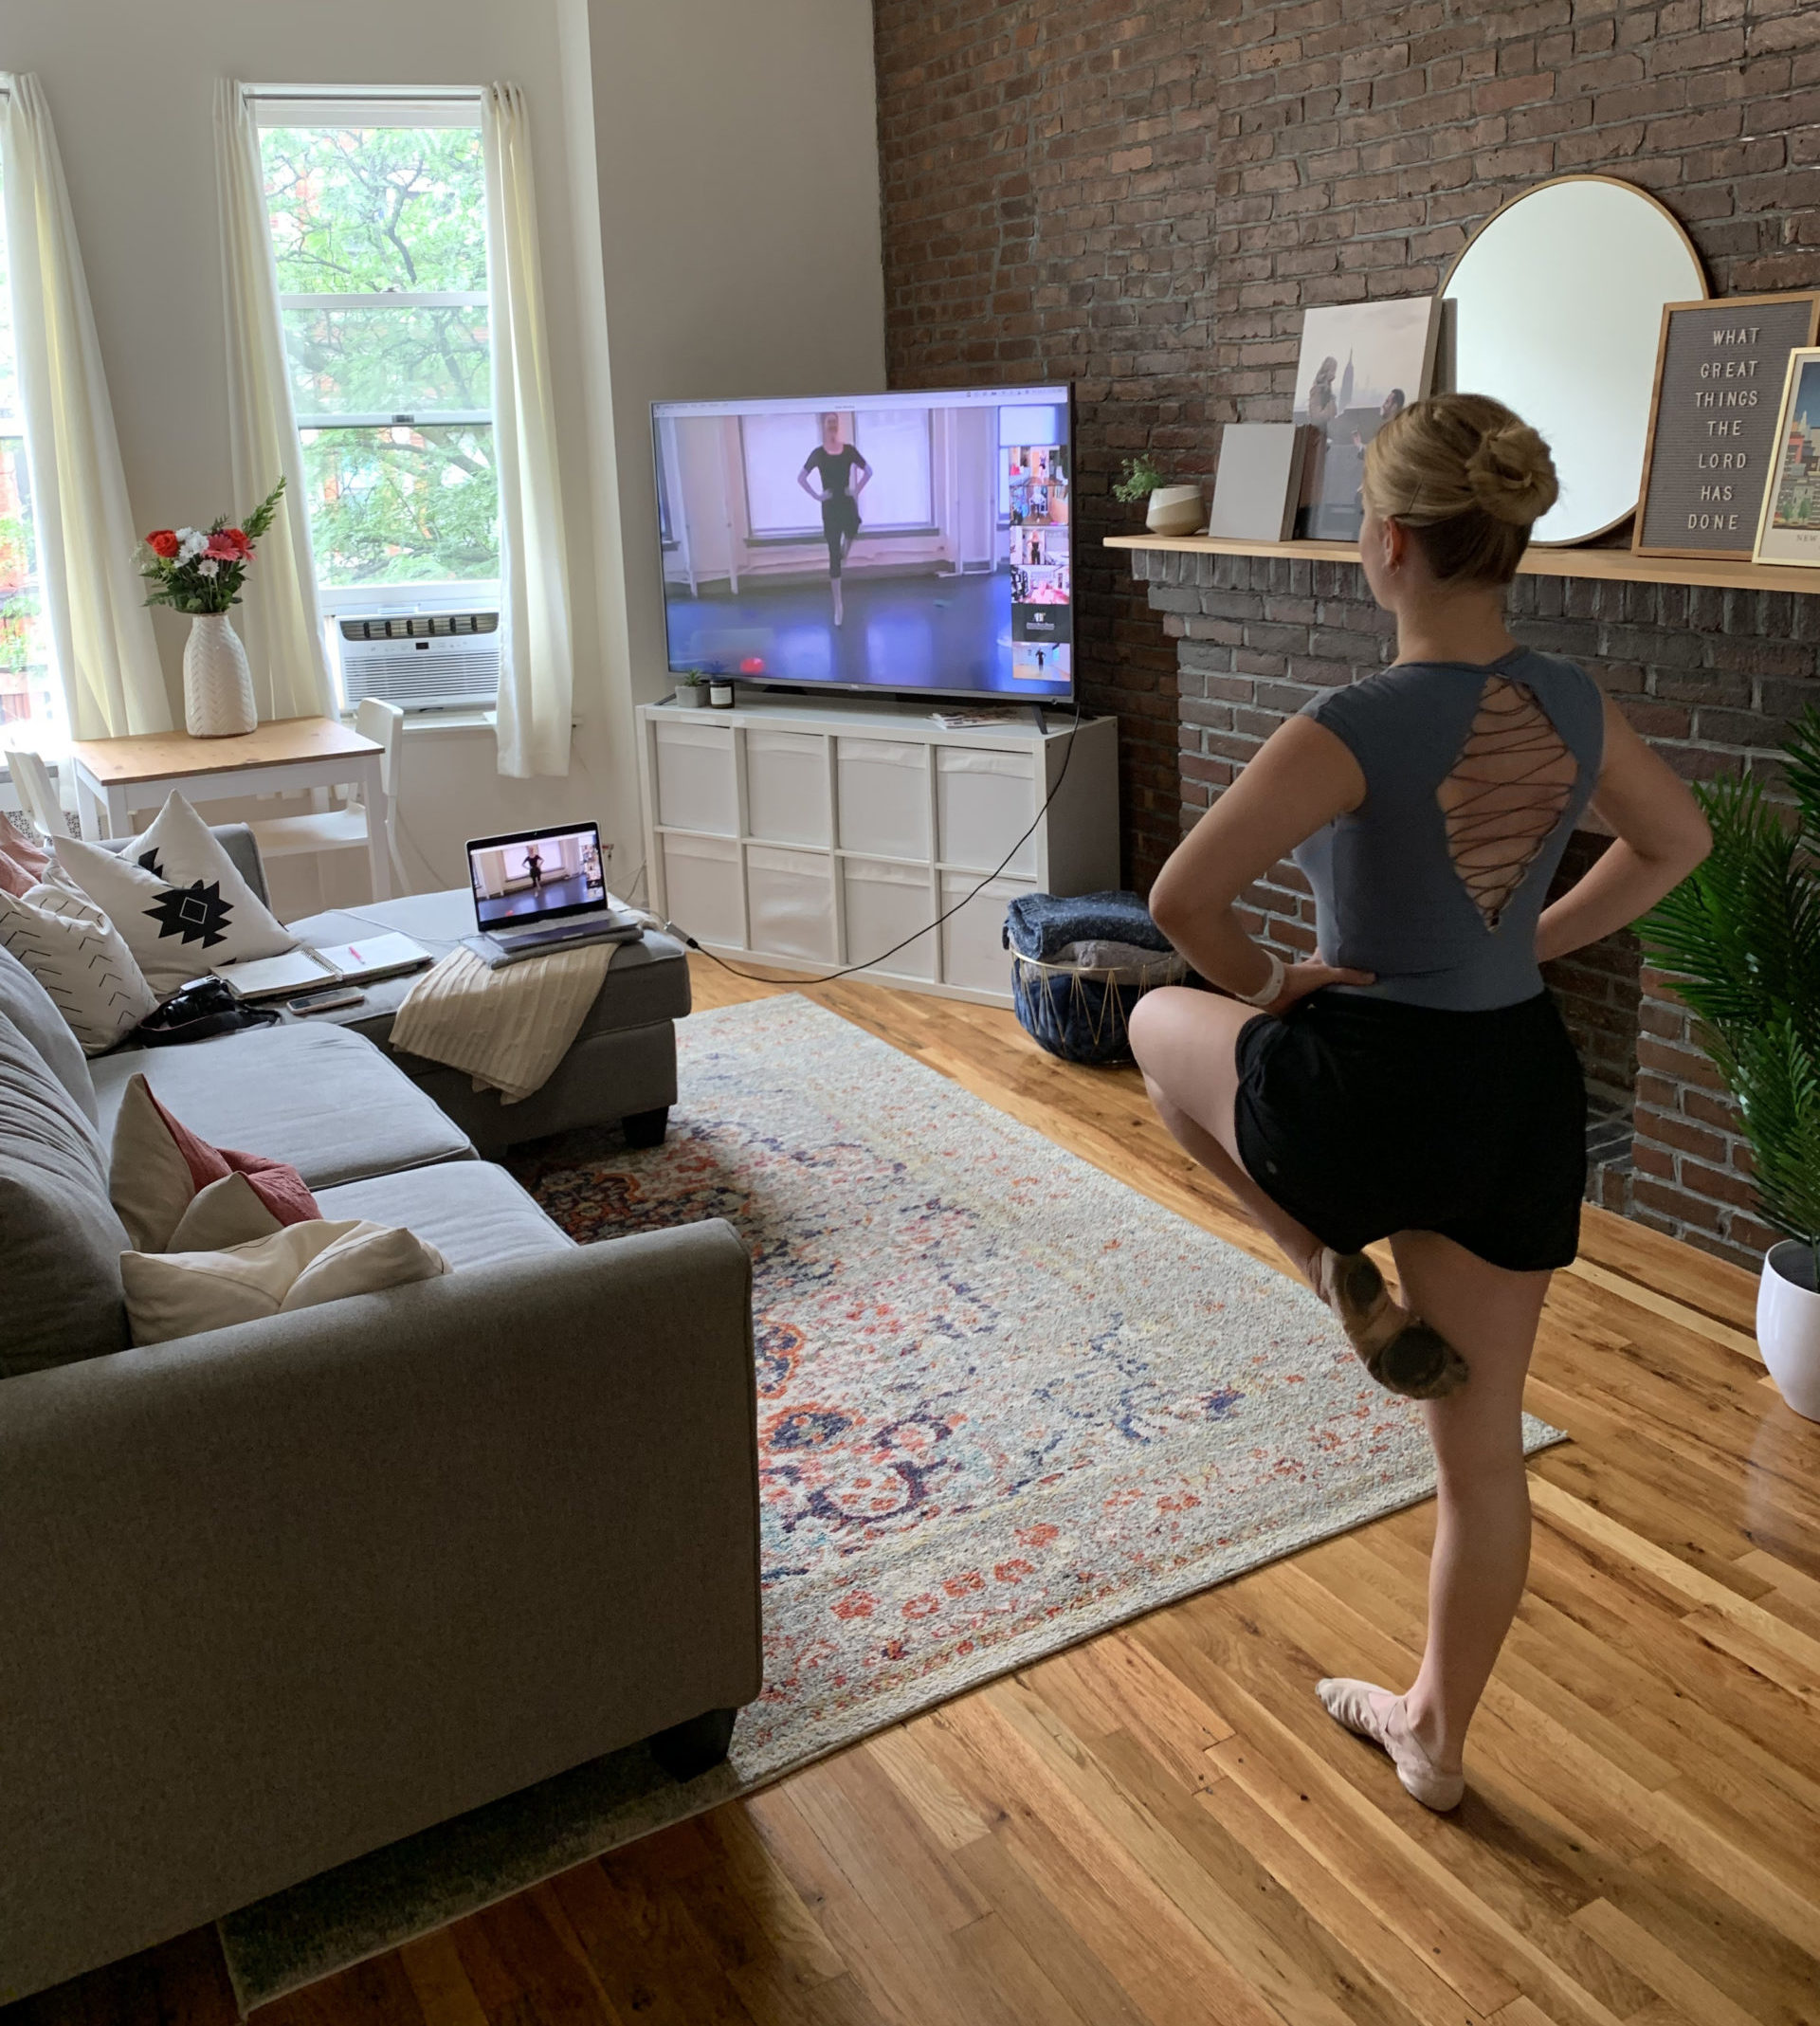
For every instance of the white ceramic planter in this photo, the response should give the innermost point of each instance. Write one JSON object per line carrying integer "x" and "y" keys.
{"x": 1175, "y": 510}
{"x": 1788, "y": 1325}
{"x": 217, "y": 684}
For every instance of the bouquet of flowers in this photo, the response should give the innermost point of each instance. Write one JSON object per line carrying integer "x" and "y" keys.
{"x": 201, "y": 570}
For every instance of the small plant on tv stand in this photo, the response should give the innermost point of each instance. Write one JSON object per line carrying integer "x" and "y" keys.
{"x": 691, "y": 687}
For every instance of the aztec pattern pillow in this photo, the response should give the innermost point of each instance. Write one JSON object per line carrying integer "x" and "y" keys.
{"x": 75, "y": 952}
{"x": 177, "y": 897}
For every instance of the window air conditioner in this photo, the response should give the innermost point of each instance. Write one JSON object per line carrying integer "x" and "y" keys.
{"x": 422, "y": 660}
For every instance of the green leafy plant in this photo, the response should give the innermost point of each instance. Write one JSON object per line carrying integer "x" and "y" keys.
{"x": 1740, "y": 939}
{"x": 694, "y": 678}
{"x": 1141, "y": 478}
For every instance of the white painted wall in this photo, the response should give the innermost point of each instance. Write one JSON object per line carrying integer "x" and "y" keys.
{"x": 707, "y": 185}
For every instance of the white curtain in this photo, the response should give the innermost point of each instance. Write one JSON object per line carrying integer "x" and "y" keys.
{"x": 94, "y": 598}
{"x": 536, "y": 667}
{"x": 279, "y": 619}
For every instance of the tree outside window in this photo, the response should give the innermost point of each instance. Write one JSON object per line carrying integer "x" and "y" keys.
{"x": 380, "y": 237}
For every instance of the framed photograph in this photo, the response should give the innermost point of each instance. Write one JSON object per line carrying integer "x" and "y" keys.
{"x": 1788, "y": 529}
{"x": 1713, "y": 420}
{"x": 1361, "y": 364}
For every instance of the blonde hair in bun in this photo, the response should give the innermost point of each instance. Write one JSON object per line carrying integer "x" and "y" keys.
{"x": 1467, "y": 477}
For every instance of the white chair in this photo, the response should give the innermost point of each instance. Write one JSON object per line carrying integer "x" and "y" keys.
{"x": 345, "y": 828}
{"x": 37, "y": 795}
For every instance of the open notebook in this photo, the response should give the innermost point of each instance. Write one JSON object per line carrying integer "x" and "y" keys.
{"x": 304, "y": 969}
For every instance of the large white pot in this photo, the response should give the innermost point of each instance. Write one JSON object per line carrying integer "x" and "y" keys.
{"x": 217, "y": 684}
{"x": 1788, "y": 1324}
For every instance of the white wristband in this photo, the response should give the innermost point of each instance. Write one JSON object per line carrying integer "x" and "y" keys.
{"x": 1271, "y": 991}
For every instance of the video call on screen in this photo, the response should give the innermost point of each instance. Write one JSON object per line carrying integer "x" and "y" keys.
{"x": 899, "y": 541}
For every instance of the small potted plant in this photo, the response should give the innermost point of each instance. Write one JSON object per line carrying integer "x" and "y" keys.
{"x": 692, "y": 690}
{"x": 1740, "y": 940}
{"x": 1172, "y": 509}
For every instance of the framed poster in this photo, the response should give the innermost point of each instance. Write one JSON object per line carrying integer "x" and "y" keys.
{"x": 1788, "y": 529}
{"x": 1361, "y": 364}
{"x": 1712, "y": 420}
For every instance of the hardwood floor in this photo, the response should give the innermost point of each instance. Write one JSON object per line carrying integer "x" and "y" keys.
{"x": 1162, "y": 1827}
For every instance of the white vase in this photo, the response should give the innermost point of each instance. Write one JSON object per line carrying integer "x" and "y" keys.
{"x": 217, "y": 684}
{"x": 1788, "y": 1325}
{"x": 1175, "y": 510}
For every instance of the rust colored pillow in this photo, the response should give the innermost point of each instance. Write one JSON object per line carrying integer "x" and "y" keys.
{"x": 159, "y": 1166}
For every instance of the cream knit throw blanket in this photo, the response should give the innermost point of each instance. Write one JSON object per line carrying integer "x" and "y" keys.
{"x": 509, "y": 1027}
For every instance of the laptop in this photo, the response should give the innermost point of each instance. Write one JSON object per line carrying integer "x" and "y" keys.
{"x": 544, "y": 891}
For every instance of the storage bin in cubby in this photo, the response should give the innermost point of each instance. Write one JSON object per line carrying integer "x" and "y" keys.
{"x": 696, "y": 790}
{"x": 984, "y": 801}
{"x": 885, "y": 904}
{"x": 787, "y": 787}
{"x": 973, "y": 945}
{"x": 701, "y": 889}
{"x": 790, "y": 901}
{"x": 883, "y": 789}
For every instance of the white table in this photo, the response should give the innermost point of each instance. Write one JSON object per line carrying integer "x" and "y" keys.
{"x": 114, "y": 777}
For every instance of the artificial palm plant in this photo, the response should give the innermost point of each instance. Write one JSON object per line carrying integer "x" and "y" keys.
{"x": 1740, "y": 940}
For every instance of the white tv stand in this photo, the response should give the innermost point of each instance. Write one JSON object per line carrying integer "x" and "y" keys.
{"x": 800, "y": 835}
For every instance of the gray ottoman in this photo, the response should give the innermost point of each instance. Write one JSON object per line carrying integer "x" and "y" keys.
{"x": 622, "y": 1068}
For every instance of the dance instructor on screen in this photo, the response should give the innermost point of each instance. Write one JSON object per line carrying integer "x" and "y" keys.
{"x": 1413, "y": 1081}
{"x": 842, "y": 474}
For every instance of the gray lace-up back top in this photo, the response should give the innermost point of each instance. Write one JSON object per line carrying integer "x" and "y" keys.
{"x": 1474, "y": 780}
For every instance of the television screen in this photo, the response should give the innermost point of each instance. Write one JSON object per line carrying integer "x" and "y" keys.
{"x": 901, "y": 542}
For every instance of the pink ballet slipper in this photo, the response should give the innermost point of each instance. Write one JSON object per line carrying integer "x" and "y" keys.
{"x": 1385, "y": 1724}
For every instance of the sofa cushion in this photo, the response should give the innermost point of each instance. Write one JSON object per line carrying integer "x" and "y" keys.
{"x": 181, "y": 1294}
{"x": 648, "y": 980}
{"x": 177, "y": 898}
{"x": 158, "y": 1168}
{"x": 60, "y": 1241}
{"x": 474, "y": 1213}
{"x": 326, "y": 1102}
{"x": 68, "y": 944}
{"x": 25, "y": 1003}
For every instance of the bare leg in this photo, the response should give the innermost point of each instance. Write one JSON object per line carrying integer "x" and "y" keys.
{"x": 1185, "y": 1043}
{"x": 1482, "y": 1532}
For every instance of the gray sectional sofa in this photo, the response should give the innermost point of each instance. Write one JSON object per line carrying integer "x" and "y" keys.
{"x": 274, "y": 1596}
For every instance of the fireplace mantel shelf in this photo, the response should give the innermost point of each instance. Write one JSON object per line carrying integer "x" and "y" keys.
{"x": 1711, "y": 572}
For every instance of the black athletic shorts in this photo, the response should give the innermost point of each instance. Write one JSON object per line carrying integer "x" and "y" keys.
{"x": 1362, "y": 1117}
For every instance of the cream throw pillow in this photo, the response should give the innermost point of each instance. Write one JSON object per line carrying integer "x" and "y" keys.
{"x": 82, "y": 961}
{"x": 176, "y": 897}
{"x": 176, "y": 1294}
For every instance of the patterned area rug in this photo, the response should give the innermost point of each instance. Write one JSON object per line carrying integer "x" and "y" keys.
{"x": 1005, "y": 1402}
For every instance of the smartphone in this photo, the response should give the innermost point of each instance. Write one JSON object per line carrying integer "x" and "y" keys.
{"x": 329, "y": 1000}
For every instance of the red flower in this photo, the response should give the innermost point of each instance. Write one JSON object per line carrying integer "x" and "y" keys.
{"x": 163, "y": 541}
{"x": 231, "y": 545}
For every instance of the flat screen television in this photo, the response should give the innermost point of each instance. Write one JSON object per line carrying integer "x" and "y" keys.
{"x": 911, "y": 542}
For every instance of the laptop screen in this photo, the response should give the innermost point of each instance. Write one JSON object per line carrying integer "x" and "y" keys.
{"x": 537, "y": 876}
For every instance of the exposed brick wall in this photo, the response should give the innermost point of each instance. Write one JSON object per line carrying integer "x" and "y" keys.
{"x": 1144, "y": 199}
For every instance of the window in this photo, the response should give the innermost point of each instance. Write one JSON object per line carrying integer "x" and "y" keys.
{"x": 380, "y": 236}
{"x": 30, "y": 694}
{"x": 899, "y": 498}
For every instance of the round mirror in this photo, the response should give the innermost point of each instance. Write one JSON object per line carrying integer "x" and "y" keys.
{"x": 1556, "y": 309}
